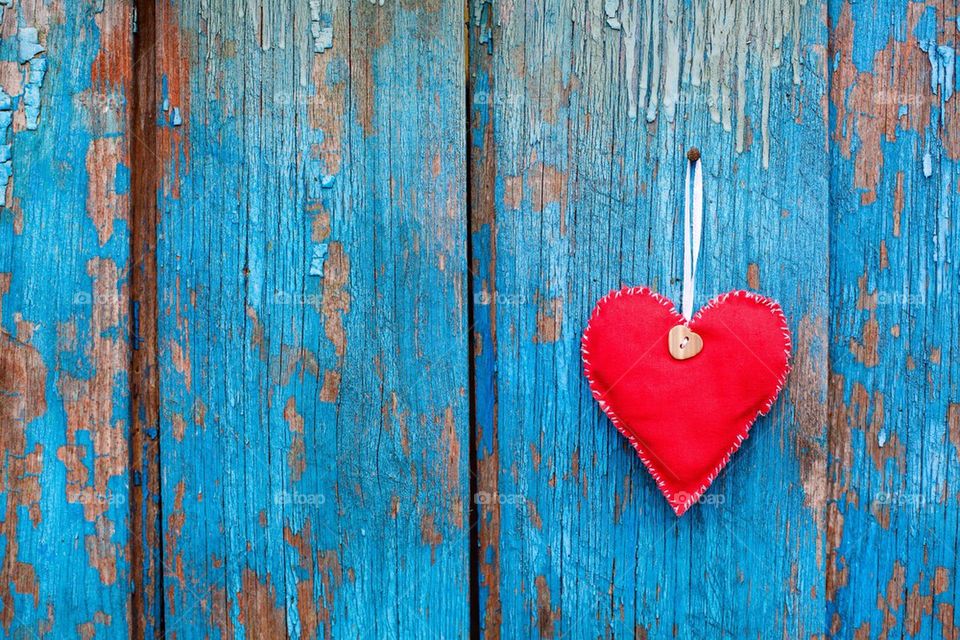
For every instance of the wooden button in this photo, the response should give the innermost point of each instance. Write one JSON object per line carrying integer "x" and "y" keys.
{"x": 684, "y": 343}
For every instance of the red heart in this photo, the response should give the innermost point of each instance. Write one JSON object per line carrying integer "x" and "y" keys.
{"x": 685, "y": 418}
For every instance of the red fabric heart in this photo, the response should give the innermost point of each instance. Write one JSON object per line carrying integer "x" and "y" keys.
{"x": 685, "y": 418}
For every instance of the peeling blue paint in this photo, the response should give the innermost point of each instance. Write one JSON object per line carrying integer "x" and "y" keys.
{"x": 893, "y": 390}
{"x": 610, "y": 9}
{"x": 288, "y": 177}
{"x": 483, "y": 17}
{"x": 6, "y": 148}
{"x": 869, "y": 40}
{"x": 317, "y": 259}
{"x": 175, "y": 118}
{"x": 31, "y": 92}
{"x": 121, "y": 182}
{"x": 28, "y": 44}
{"x": 943, "y": 68}
{"x": 165, "y": 97}
{"x": 29, "y": 52}
{"x": 321, "y": 27}
{"x": 52, "y": 180}
{"x": 925, "y": 29}
{"x": 667, "y": 54}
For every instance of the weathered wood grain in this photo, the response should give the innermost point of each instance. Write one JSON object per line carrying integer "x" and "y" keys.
{"x": 64, "y": 349}
{"x": 895, "y": 425}
{"x": 312, "y": 319}
{"x": 581, "y": 114}
{"x": 240, "y": 285}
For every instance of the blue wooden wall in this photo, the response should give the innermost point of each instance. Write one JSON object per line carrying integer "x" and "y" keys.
{"x": 291, "y": 296}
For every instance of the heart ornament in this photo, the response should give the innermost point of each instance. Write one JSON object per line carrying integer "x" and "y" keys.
{"x": 685, "y": 417}
{"x": 684, "y": 390}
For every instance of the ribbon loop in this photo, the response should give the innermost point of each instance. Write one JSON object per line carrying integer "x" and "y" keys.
{"x": 692, "y": 226}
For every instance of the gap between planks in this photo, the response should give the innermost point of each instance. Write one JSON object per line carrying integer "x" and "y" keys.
{"x": 146, "y": 547}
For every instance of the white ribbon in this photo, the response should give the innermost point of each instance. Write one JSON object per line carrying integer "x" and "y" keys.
{"x": 692, "y": 225}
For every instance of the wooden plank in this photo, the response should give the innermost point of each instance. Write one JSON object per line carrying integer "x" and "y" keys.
{"x": 64, "y": 349}
{"x": 895, "y": 423}
{"x": 312, "y": 319}
{"x": 581, "y": 114}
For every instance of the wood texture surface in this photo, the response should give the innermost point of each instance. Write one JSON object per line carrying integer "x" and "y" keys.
{"x": 312, "y": 320}
{"x": 291, "y": 296}
{"x": 895, "y": 423}
{"x": 64, "y": 323}
{"x": 584, "y": 139}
